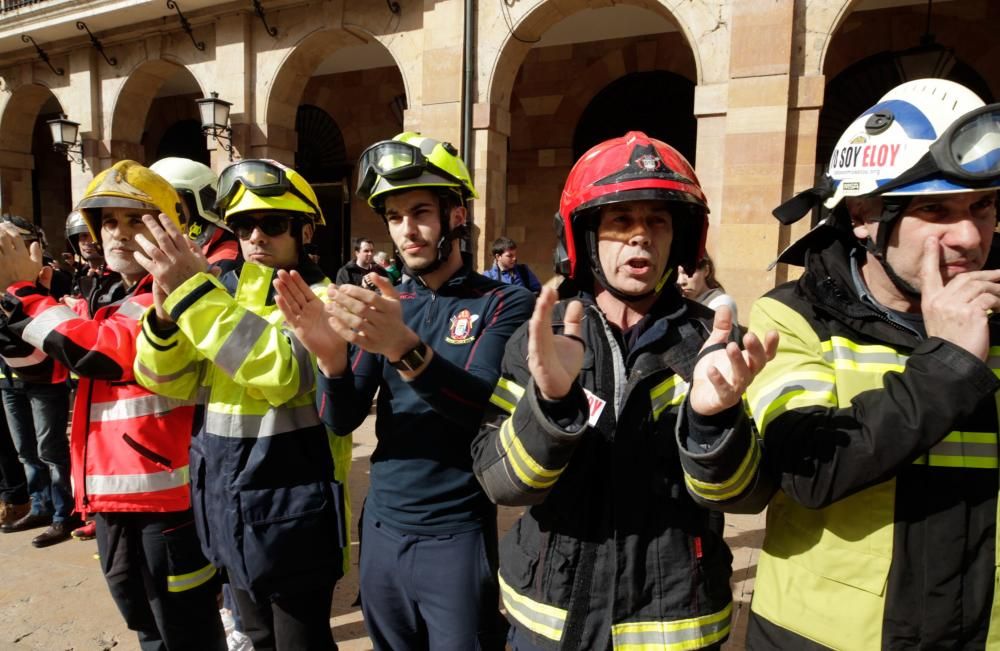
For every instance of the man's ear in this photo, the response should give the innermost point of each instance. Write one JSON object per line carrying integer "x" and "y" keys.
{"x": 307, "y": 233}
{"x": 859, "y": 209}
{"x": 458, "y": 216}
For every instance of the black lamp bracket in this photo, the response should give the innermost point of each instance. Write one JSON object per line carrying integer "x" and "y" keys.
{"x": 260, "y": 14}
{"x": 185, "y": 25}
{"x": 43, "y": 55}
{"x": 96, "y": 43}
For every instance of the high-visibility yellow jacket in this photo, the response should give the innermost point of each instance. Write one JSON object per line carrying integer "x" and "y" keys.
{"x": 266, "y": 501}
{"x": 884, "y": 444}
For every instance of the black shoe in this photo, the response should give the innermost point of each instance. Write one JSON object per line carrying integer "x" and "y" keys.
{"x": 56, "y": 533}
{"x": 30, "y": 521}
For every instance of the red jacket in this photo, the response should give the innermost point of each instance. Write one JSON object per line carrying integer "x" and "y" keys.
{"x": 128, "y": 446}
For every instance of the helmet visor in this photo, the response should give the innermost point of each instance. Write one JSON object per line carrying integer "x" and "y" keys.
{"x": 389, "y": 159}
{"x": 968, "y": 153}
{"x": 261, "y": 177}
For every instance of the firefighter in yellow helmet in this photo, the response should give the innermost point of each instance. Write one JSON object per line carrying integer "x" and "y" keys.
{"x": 269, "y": 507}
{"x": 434, "y": 344}
{"x": 128, "y": 447}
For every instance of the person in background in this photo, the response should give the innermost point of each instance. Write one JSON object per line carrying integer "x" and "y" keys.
{"x": 703, "y": 287}
{"x": 506, "y": 268}
{"x": 390, "y": 265}
{"x": 87, "y": 258}
{"x": 36, "y": 402}
{"x": 356, "y": 271}
{"x": 197, "y": 184}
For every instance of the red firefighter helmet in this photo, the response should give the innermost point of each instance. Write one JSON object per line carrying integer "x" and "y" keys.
{"x": 634, "y": 167}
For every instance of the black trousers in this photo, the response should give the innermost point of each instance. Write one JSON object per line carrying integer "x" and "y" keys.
{"x": 299, "y": 621}
{"x": 160, "y": 581}
{"x": 13, "y": 483}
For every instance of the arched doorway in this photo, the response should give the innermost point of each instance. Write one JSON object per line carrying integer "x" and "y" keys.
{"x": 593, "y": 75}
{"x": 657, "y": 102}
{"x": 321, "y": 158}
{"x": 51, "y": 198}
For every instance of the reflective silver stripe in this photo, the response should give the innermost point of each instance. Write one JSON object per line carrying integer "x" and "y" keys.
{"x": 126, "y": 408}
{"x": 858, "y": 357}
{"x": 40, "y": 327}
{"x": 965, "y": 449}
{"x": 540, "y": 618}
{"x": 675, "y": 635}
{"x": 20, "y": 362}
{"x": 235, "y": 349}
{"x": 248, "y": 426}
{"x": 766, "y": 400}
{"x": 131, "y": 484}
{"x": 163, "y": 379}
{"x": 132, "y": 310}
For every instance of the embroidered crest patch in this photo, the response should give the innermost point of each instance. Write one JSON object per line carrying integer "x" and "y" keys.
{"x": 460, "y": 331}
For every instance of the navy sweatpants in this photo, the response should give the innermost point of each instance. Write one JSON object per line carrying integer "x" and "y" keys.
{"x": 429, "y": 592}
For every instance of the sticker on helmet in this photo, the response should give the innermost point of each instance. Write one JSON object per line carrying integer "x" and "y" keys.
{"x": 460, "y": 331}
{"x": 863, "y": 158}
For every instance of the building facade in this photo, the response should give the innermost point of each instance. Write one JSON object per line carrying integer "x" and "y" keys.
{"x": 754, "y": 92}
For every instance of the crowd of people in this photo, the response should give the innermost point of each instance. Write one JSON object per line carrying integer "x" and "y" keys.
{"x": 219, "y": 375}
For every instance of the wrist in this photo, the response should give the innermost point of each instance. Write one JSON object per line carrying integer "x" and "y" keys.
{"x": 409, "y": 341}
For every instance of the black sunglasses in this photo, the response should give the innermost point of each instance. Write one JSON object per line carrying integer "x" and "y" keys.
{"x": 272, "y": 225}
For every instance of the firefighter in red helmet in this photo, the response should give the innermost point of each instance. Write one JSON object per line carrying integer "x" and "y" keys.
{"x": 603, "y": 396}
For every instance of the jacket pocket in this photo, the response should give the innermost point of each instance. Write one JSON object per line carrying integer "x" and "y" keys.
{"x": 289, "y": 532}
{"x": 198, "y": 488}
{"x": 144, "y": 451}
{"x": 519, "y": 556}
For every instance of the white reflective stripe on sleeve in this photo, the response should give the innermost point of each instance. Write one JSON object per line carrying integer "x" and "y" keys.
{"x": 20, "y": 362}
{"x": 132, "y": 484}
{"x": 127, "y": 408}
{"x": 132, "y": 310}
{"x": 40, "y": 327}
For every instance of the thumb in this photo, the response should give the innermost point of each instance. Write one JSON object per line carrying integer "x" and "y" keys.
{"x": 35, "y": 251}
{"x": 45, "y": 277}
{"x": 384, "y": 286}
{"x": 722, "y": 326}
{"x": 572, "y": 319}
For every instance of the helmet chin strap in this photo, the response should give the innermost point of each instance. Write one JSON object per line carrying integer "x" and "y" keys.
{"x": 448, "y": 235}
{"x": 891, "y": 213}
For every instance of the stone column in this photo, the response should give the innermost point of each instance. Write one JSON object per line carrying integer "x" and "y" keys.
{"x": 233, "y": 58}
{"x": 491, "y": 125}
{"x": 756, "y": 136}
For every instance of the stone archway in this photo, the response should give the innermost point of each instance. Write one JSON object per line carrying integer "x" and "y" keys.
{"x": 130, "y": 116}
{"x": 697, "y": 28}
{"x": 34, "y": 179}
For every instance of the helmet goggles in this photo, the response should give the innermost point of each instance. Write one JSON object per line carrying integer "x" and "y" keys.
{"x": 396, "y": 161}
{"x": 968, "y": 153}
{"x": 261, "y": 177}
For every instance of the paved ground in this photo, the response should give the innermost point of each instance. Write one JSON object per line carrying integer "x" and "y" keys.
{"x": 55, "y": 599}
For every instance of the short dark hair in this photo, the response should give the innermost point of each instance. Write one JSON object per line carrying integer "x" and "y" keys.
{"x": 503, "y": 243}
{"x": 358, "y": 241}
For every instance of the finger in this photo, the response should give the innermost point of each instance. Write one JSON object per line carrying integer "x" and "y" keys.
{"x": 156, "y": 230}
{"x": 45, "y": 276}
{"x": 771, "y": 340}
{"x": 343, "y": 330}
{"x": 722, "y": 326}
{"x": 572, "y": 320}
{"x": 540, "y": 325}
{"x": 293, "y": 287}
{"x": 288, "y": 310}
{"x": 385, "y": 286}
{"x": 148, "y": 247}
{"x": 349, "y": 303}
{"x": 35, "y": 251}
{"x": 144, "y": 261}
{"x": 930, "y": 267}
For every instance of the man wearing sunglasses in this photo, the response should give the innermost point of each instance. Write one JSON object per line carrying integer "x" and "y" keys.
{"x": 879, "y": 412}
{"x": 268, "y": 504}
{"x": 432, "y": 348}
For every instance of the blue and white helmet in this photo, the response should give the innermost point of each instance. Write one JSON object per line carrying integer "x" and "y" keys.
{"x": 890, "y": 137}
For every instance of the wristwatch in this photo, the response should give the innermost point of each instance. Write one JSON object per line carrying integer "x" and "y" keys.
{"x": 412, "y": 359}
